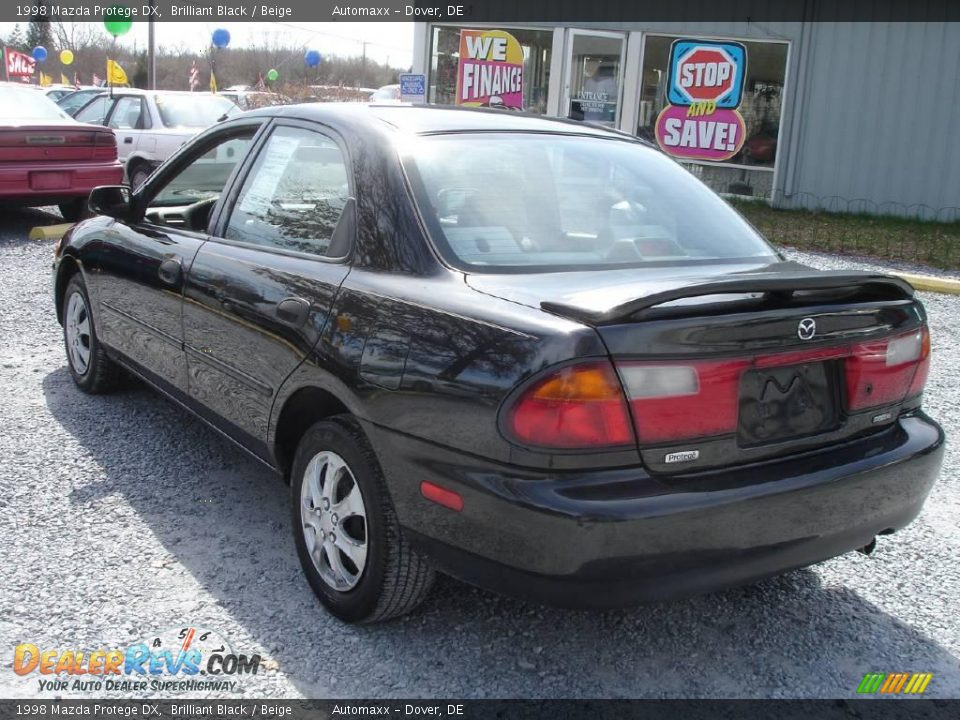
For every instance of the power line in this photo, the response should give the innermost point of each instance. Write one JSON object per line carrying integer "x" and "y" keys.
{"x": 343, "y": 37}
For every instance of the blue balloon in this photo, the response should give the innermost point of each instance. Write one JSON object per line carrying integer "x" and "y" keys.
{"x": 312, "y": 58}
{"x": 39, "y": 53}
{"x": 221, "y": 37}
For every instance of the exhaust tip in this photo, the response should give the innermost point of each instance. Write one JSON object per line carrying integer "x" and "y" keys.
{"x": 868, "y": 548}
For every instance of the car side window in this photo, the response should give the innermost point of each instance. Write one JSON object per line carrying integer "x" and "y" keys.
{"x": 128, "y": 114}
{"x": 96, "y": 111}
{"x": 187, "y": 198}
{"x": 294, "y": 195}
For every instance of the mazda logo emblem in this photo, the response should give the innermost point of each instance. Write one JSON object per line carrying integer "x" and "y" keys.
{"x": 807, "y": 329}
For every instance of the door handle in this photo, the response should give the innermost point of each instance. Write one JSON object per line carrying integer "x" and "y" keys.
{"x": 293, "y": 311}
{"x": 169, "y": 271}
{"x": 128, "y": 140}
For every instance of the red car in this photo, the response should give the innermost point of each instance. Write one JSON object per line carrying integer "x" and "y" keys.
{"x": 47, "y": 157}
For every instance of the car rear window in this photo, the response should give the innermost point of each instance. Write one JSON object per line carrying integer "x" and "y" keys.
{"x": 195, "y": 111}
{"x": 76, "y": 100}
{"x": 501, "y": 201}
{"x": 21, "y": 104}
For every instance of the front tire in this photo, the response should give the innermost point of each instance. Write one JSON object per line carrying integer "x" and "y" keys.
{"x": 356, "y": 560}
{"x": 91, "y": 369}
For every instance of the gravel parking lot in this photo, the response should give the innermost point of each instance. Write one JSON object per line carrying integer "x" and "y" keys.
{"x": 121, "y": 516}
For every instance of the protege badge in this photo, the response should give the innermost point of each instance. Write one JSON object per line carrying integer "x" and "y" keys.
{"x": 682, "y": 456}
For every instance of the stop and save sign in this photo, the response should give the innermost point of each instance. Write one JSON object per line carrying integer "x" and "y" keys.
{"x": 490, "y": 71}
{"x": 704, "y": 89}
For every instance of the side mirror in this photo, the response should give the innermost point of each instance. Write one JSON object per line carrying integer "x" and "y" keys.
{"x": 112, "y": 201}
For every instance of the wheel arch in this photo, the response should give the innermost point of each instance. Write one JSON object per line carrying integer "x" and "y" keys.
{"x": 134, "y": 160}
{"x": 300, "y": 410}
{"x": 68, "y": 267}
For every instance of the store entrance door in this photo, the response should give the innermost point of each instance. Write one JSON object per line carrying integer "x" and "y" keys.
{"x": 593, "y": 76}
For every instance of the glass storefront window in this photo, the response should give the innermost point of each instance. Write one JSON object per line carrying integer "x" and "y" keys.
{"x": 445, "y": 55}
{"x": 750, "y": 171}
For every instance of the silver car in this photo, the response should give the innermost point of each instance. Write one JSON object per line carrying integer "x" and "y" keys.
{"x": 151, "y": 125}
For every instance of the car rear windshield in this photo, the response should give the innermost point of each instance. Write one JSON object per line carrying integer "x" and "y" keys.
{"x": 193, "y": 111}
{"x": 496, "y": 202}
{"x": 24, "y": 104}
{"x": 76, "y": 100}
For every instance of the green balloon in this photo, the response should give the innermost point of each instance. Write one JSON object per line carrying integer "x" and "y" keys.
{"x": 272, "y": 75}
{"x": 118, "y": 20}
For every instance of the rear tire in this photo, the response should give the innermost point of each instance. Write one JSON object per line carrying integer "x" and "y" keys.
{"x": 376, "y": 575}
{"x": 91, "y": 369}
{"x": 138, "y": 175}
{"x": 73, "y": 210}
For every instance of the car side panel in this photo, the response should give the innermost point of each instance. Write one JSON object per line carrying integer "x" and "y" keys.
{"x": 434, "y": 359}
{"x": 239, "y": 350}
{"x": 140, "y": 280}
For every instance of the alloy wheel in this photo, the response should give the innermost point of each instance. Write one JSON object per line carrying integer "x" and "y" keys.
{"x": 78, "y": 333}
{"x": 334, "y": 520}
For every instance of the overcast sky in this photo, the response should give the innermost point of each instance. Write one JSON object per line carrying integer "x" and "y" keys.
{"x": 391, "y": 41}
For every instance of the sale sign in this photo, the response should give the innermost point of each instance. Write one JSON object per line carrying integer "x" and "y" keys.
{"x": 717, "y": 136}
{"x": 490, "y": 71}
{"x": 704, "y": 89}
{"x": 18, "y": 64}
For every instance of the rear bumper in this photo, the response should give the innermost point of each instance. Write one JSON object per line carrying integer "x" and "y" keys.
{"x": 617, "y": 537}
{"x": 23, "y": 184}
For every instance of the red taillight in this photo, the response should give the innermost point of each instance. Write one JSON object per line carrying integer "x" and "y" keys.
{"x": 583, "y": 405}
{"x": 683, "y": 400}
{"x": 578, "y": 406}
{"x": 883, "y": 372}
{"x": 105, "y": 146}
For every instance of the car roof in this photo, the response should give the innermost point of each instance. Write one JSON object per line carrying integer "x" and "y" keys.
{"x": 435, "y": 119}
{"x": 141, "y": 91}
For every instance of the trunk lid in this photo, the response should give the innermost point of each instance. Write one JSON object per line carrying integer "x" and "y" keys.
{"x": 732, "y": 367}
{"x": 56, "y": 143}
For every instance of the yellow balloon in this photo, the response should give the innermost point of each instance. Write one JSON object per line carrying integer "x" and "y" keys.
{"x": 66, "y": 57}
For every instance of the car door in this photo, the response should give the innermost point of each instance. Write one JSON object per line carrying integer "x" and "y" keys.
{"x": 259, "y": 292}
{"x": 142, "y": 266}
{"x": 129, "y": 119}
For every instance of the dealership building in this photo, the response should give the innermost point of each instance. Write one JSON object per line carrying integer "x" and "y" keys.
{"x": 857, "y": 116}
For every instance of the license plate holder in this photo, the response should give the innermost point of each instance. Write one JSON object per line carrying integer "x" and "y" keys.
{"x": 50, "y": 180}
{"x": 782, "y": 403}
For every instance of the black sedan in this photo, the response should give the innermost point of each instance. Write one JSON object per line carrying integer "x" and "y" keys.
{"x": 536, "y": 355}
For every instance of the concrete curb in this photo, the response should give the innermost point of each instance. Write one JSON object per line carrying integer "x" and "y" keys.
{"x": 49, "y": 232}
{"x": 930, "y": 283}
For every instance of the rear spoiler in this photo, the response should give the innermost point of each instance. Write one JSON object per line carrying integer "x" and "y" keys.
{"x": 782, "y": 285}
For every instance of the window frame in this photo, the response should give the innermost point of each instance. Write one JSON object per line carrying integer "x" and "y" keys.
{"x": 220, "y": 216}
{"x": 553, "y": 97}
{"x": 783, "y": 101}
{"x": 111, "y": 103}
{"x": 202, "y": 144}
{"x": 144, "y": 114}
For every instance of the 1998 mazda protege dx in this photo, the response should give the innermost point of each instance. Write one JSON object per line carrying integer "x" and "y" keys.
{"x": 536, "y": 355}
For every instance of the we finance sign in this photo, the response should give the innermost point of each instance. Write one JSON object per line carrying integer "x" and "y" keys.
{"x": 490, "y": 71}
{"x": 704, "y": 90}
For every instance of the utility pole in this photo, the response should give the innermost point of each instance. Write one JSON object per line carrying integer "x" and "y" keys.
{"x": 363, "y": 66}
{"x": 151, "y": 51}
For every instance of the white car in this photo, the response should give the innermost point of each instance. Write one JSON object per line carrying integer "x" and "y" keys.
{"x": 152, "y": 124}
